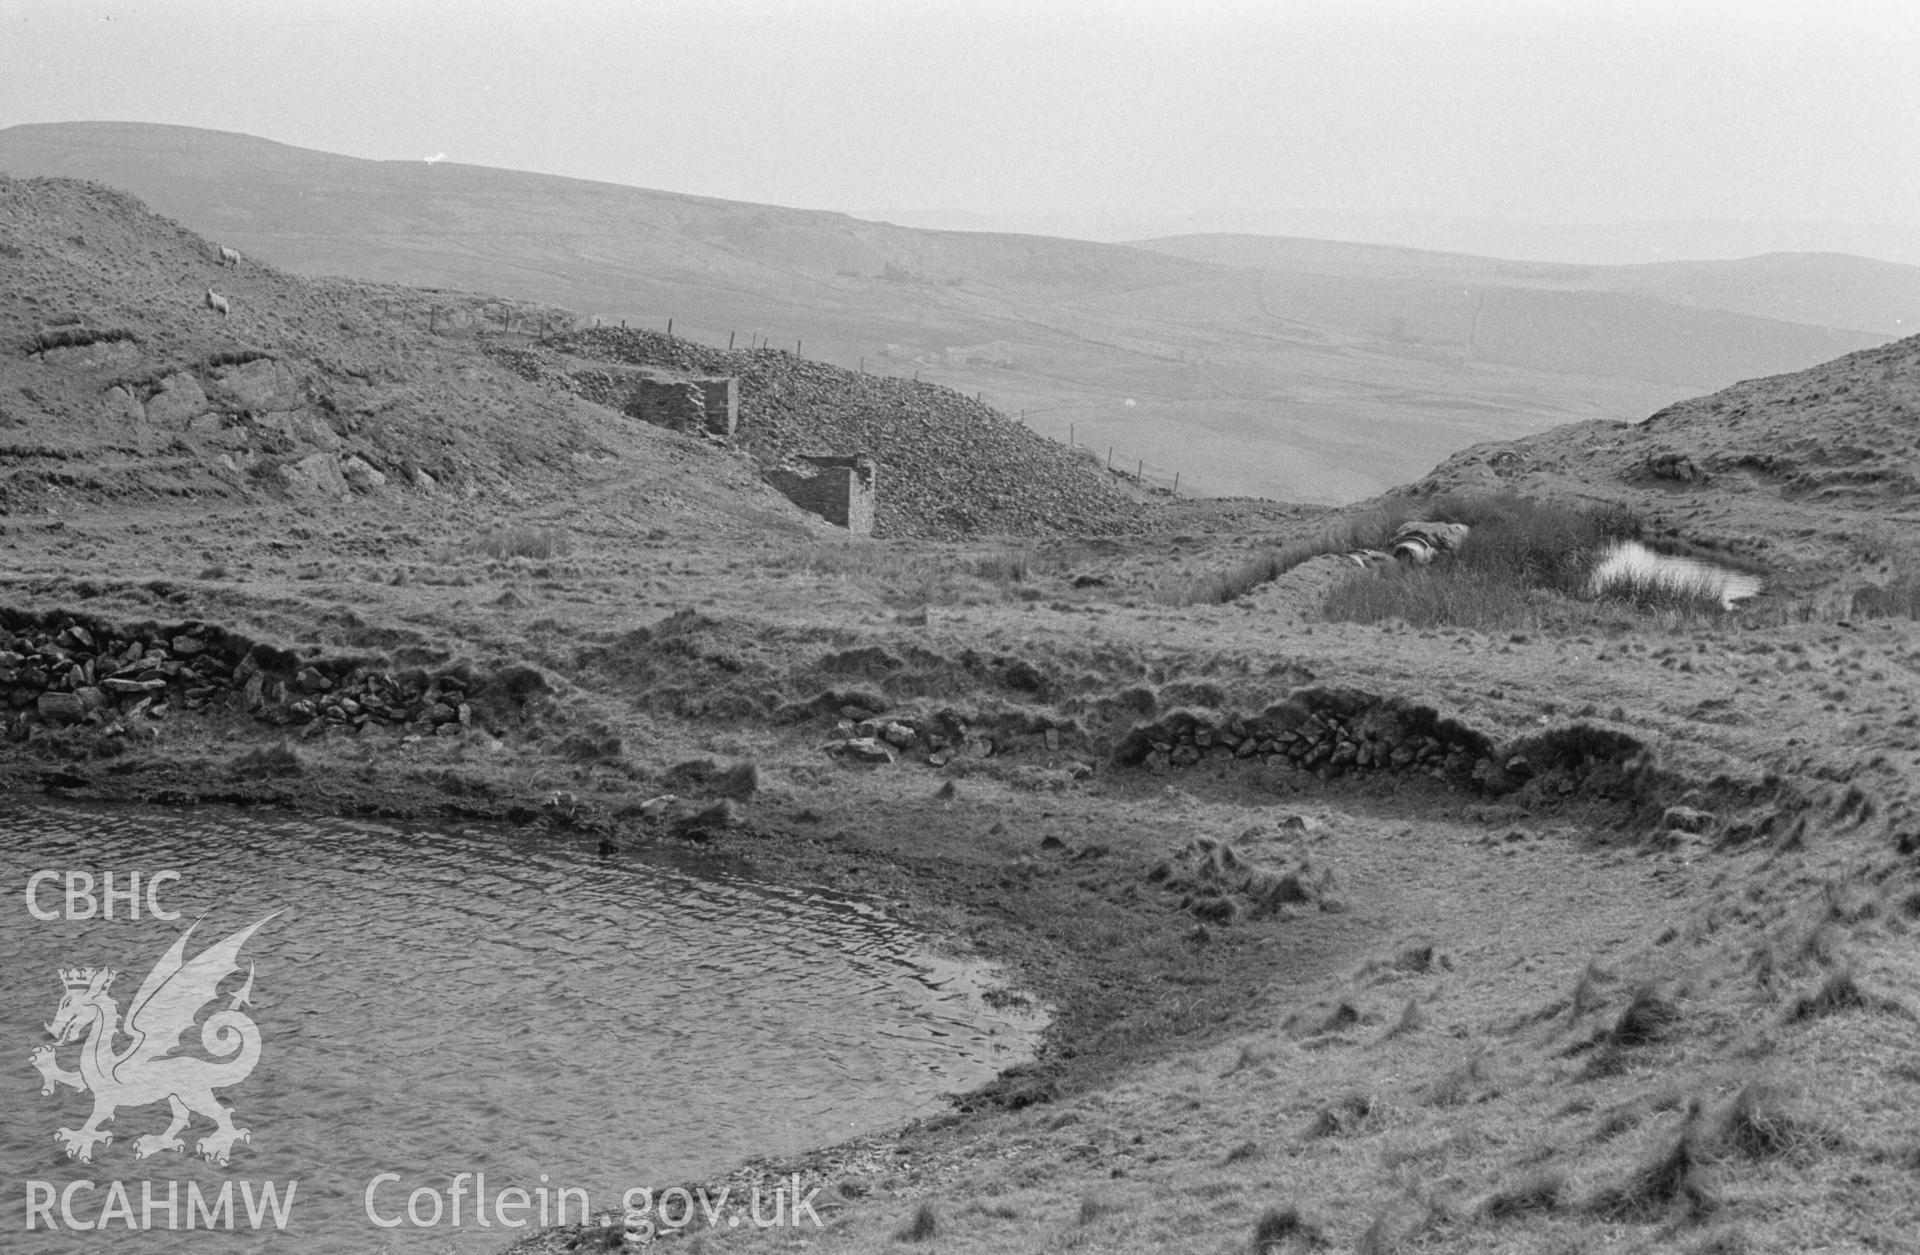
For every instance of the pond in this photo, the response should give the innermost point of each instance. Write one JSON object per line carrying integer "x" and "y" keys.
{"x": 432, "y": 1017}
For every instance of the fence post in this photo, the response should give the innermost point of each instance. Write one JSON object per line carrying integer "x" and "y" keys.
{"x": 729, "y": 341}
{"x": 669, "y": 328}
{"x": 796, "y": 348}
{"x": 1176, "y": 483}
{"x": 1109, "y": 457}
{"x": 1140, "y": 472}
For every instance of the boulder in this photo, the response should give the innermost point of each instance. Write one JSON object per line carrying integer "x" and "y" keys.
{"x": 258, "y": 385}
{"x": 1686, "y": 819}
{"x": 360, "y": 473}
{"x": 123, "y": 404}
{"x": 178, "y": 401}
{"x": 864, "y": 749}
{"x": 317, "y": 474}
{"x": 61, "y": 707}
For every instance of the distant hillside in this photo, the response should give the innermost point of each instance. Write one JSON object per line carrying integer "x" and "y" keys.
{"x": 1244, "y": 374}
{"x": 1815, "y": 290}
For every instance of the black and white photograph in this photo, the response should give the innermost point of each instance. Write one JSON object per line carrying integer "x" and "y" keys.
{"x": 865, "y": 627}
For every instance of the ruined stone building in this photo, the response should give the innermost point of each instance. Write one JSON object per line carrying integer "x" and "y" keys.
{"x": 838, "y": 489}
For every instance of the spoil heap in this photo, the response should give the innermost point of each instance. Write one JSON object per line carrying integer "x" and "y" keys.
{"x": 949, "y": 465}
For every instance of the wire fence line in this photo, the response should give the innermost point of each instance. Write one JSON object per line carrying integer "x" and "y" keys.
{"x": 507, "y": 320}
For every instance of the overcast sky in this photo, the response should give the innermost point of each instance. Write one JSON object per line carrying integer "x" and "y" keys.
{"x": 1796, "y": 120}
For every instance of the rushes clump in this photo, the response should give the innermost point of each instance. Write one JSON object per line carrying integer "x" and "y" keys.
{"x": 541, "y": 543}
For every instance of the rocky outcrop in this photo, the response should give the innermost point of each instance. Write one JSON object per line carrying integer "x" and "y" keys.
{"x": 316, "y": 475}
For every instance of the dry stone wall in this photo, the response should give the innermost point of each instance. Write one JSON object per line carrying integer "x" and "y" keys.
{"x": 62, "y": 668}
{"x": 1332, "y": 733}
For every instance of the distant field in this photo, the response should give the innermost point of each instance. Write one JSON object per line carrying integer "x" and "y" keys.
{"x": 1249, "y": 366}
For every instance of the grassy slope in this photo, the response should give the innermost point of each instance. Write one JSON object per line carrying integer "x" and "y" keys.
{"x": 1300, "y": 383}
{"x": 1434, "y": 1052}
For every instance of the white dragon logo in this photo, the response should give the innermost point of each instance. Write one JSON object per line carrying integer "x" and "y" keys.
{"x": 148, "y": 1070}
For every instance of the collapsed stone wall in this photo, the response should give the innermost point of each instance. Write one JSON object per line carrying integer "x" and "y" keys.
{"x": 61, "y": 668}
{"x": 1331, "y": 733}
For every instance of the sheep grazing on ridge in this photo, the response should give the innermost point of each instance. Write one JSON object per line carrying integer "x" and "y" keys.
{"x": 229, "y": 256}
{"x": 219, "y": 302}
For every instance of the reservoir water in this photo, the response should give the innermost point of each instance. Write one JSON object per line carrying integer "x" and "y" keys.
{"x": 434, "y": 1002}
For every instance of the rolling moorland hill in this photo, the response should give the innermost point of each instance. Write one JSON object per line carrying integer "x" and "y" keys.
{"x": 119, "y": 380}
{"x": 1830, "y": 290}
{"x": 1267, "y": 370}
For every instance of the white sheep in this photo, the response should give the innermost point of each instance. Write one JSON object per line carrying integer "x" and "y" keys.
{"x": 219, "y": 302}
{"x": 229, "y": 256}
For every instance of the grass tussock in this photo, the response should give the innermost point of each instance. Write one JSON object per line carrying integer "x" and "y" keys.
{"x": 1760, "y": 1122}
{"x": 1005, "y": 566}
{"x": 1345, "y": 1116}
{"x": 1411, "y": 1019}
{"x": 1898, "y": 598}
{"x": 921, "y": 1228}
{"x": 1841, "y": 992}
{"x": 275, "y": 761}
{"x": 1458, "y": 1085}
{"x": 1538, "y": 1193}
{"x": 1646, "y": 1017}
{"x": 1668, "y": 1179}
{"x": 1282, "y": 1229}
{"x": 522, "y": 541}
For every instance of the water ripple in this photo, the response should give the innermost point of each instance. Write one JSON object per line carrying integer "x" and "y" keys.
{"x": 442, "y": 1001}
